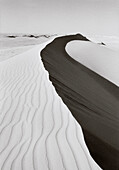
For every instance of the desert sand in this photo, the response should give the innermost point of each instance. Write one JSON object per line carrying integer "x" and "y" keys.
{"x": 92, "y": 99}
{"x": 37, "y": 130}
{"x": 99, "y": 59}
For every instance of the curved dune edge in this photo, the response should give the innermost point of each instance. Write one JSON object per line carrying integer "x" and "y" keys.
{"x": 92, "y": 99}
{"x": 99, "y": 59}
{"x": 37, "y": 131}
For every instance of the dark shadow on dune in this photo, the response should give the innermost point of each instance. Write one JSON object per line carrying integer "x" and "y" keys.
{"x": 36, "y": 36}
{"x": 101, "y": 43}
{"x": 11, "y": 36}
{"x": 93, "y": 100}
{"x": 30, "y": 36}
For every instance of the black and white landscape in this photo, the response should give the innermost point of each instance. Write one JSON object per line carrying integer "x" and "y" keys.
{"x": 89, "y": 87}
{"x": 59, "y": 85}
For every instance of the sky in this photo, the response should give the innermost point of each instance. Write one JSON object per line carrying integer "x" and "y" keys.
{"x": 89, "y": 17}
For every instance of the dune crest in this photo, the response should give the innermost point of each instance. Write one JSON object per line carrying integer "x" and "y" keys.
{"x": 92, "y": 99}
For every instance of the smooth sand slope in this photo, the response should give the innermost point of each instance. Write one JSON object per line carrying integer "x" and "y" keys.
{"x": 92, "y": 99}
{"x": 37, "y": 131}
{"x": 11, "y": 45}
{"x": 11, "y": 52}
{"x": 99, "y": 59}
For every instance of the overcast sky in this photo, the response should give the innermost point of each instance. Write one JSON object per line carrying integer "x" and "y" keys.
{"x": 96, "y": 17}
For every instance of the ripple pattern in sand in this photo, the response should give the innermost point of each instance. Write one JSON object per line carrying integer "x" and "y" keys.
{"x": 37, "y": 131}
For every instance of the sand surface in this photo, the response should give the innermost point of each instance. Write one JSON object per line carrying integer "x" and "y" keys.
{"x": 12, "y": 45}
{"x": 11, "y": 52}
{"x": 37, "y": 130}
{"x": 92, "y": 99}
{"x": 99, "y": 59}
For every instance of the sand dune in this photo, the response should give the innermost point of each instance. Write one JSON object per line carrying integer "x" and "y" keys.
{"x": 20, "y": 40}
{"x": 12, "y": 45}
{"x": 92, "y": 99}
{"x": 37, "y": 131}
{"x": 11, "y": 52}
{"x": 99, "y": 59}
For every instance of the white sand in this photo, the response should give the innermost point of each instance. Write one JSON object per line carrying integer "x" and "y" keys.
{"x": 21, "y": 40}
{"x": 11, "y": 52}
{"x": 37, "y": 131}
{"x": 112, "y": 42}
{"x": 99, "y": 59}
{"x": 9, "y": 47}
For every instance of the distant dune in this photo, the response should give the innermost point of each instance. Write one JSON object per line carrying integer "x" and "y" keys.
{"x": 92, "y": 99}
{"x": 20, "y": 40}
{"x": 14, "y": 44}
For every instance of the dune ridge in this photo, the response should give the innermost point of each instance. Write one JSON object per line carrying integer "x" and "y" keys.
{"x": 37, "y": 131}
{"x": 92, "y": 99}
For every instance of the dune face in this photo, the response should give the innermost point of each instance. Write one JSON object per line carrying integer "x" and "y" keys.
{"x": 37, "y": 131}
{"x": 101, "y": 60}
{"x": 11, "y": 52}
{"x": 93, "y": 100}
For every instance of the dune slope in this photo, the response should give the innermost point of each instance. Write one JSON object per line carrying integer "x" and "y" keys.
{"x": 99, "y": 59}
{"x": 92, "y": 99}
{"x": 37, "y": 131}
